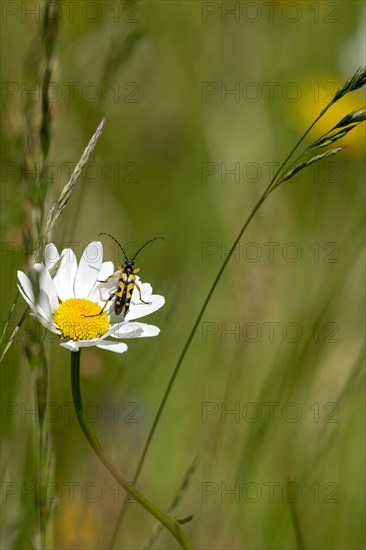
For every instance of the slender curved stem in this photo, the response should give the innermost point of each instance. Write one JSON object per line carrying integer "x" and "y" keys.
{"x": 211, "y": 291}
{"x": 172, "y": 525}
{"x": 263, "y": 197}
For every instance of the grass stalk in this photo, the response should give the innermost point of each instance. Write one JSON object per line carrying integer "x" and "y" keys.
{"x": 355, "y": 82}
{"x": 295, "y": 522}
{"x": 37, "y": 141}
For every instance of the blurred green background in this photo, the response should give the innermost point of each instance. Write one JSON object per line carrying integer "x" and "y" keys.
{"x": 204, "y": 99}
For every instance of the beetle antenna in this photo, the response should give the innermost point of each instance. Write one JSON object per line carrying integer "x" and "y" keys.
{"x": 115, "y": 240}
{"x": 143, "y": 246}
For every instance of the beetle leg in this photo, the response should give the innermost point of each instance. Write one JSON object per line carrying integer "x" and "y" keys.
{"x": 138, "y": 288}
{"x": 103, "y": 308}
{"x": 113, "y": 276}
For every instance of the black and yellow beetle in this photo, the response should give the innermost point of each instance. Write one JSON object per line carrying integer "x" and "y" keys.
{"x": 126, "y": 281}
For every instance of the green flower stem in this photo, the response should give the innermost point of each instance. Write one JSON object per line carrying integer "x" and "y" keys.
{"x": 170, "y": 524}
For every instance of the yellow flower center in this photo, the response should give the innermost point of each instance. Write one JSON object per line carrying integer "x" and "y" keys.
{"x": 79, "y": 319}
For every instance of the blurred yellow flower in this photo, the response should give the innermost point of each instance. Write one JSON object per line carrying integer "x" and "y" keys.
{"x": 76, "y": 525}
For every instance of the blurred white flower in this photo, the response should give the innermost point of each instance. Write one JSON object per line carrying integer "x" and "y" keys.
{"x": 71, "y": 296}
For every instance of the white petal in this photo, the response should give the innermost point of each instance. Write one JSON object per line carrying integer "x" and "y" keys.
{"x": 149, "y": 330}
{"x": 87, "y": 343}
{"x": 138, "y": 309}
{"x": 49, "y": 325}
{"x": 29, "y": 302}
{"x": 102, "y": 291}
{"x": 46, "y": 284}
{"x": 26, "y": 285}
{"x": 84, "y": 343}
{"x": 36, "y": 308}
{"x": 135, "y": 330}
{"x": 117, "y": 347}
{"x": 44, "y": 305}
{"x": 70, "y": 345}
{"x": 146, "y": 290}
{"x": 88, "y": 270}
{"x": 74, "y": 346}
{"x": 106, "y": 269}
{"x": 51, "y": 256}
{"x": 110, "y": 332}
{"x": 126, "y": 330}
{"x": 64, "y": 279}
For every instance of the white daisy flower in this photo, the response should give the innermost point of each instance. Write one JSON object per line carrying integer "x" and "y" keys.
{"x": 71, "y": 296}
